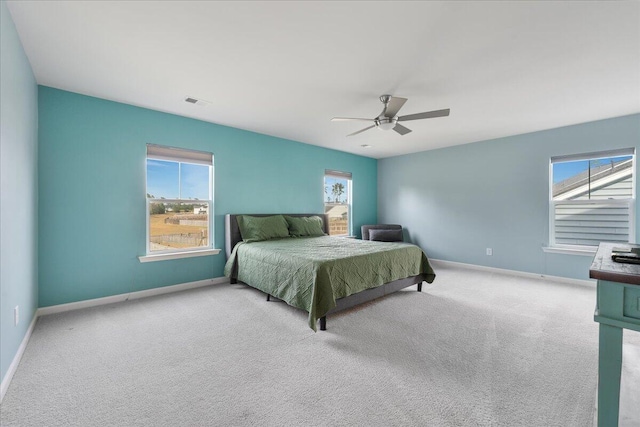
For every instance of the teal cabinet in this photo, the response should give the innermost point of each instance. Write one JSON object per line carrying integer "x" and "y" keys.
{"x": 617, "y": 308}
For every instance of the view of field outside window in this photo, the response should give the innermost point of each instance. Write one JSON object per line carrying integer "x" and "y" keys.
{"x": 336, "y": 204}
{"x": 179, "y": 204}
{"x": 591, "y": 200}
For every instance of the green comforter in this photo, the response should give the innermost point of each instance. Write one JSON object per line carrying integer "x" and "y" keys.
{"x": 312, "y": 272}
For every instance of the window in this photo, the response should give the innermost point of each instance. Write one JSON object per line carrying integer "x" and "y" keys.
{"x": 592, "y": 199}
{"x": 337, "y": 202}
{"x": 179, "y": 200}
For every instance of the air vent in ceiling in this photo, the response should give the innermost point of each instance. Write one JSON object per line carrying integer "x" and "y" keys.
{"x": 196, "y": 101}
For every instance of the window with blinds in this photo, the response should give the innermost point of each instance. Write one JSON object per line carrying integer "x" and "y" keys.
{"x": 337, "y": 201}
{"x": 179, "y": 199}
{"x": 592, "y": 199}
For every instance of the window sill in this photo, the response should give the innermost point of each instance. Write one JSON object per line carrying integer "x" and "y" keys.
{"x": 584, "y": 251}
{"x": 178, "y": 255}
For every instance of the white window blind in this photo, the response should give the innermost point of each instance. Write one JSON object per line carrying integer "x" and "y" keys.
{"x": 159, "y": 152}
{"x": 337, "y": 174}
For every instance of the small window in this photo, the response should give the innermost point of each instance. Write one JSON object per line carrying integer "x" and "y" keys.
{"x": 337, "y": 202}
{"x": 179, "y": 200}
{"x": 592, "y": 199}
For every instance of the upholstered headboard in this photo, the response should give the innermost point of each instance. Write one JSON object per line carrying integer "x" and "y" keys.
{"x": 232, "y": 231}
{"x": 365, "y": 229}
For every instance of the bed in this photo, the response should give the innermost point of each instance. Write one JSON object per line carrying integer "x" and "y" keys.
{"x": 321, "y": 274}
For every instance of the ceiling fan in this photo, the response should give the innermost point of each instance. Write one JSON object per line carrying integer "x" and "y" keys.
{"x": 389, "y": 119}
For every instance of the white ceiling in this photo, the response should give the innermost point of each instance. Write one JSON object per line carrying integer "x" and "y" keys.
{"x": 286, "y": 68}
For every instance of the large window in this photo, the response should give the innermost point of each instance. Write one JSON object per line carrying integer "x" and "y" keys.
{"x": 592, "y": 199}
{"x": 337, "y": 202}
{"x": 179, "y": 200}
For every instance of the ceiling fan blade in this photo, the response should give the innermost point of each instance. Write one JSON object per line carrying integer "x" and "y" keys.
{"x": 394, "y": 105}
{"x": 401, "y": 129}
{"x": 427, "y": 115}
{"x": 362, "y": 130}
{"x": 344, "y": 119}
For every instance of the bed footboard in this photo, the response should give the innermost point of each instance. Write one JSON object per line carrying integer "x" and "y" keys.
{"x": 372, "y": 294}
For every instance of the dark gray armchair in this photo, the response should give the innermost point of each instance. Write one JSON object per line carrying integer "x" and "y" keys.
{"x": 382, "y": 232}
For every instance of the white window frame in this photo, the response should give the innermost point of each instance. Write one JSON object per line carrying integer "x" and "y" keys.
{"x": 343, "y": 175}
{"x": 630, "y": 203}
{"x": 180, "y": 156}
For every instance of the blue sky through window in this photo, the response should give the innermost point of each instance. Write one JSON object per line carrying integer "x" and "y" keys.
{"x": 164, "y": 179}
{"x": 565, "y": 170}
{"x": 194, "y": 180}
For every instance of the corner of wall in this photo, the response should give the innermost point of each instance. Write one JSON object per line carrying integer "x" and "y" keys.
{"x": 19, "y": 187}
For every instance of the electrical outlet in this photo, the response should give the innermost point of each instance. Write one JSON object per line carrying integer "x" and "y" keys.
{"x": 489, "y": 251}
{"x": 16, "y": 315}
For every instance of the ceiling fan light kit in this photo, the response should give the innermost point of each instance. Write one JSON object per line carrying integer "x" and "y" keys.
{"x": 386, "y": 123}
{"x": 389, "y": 118}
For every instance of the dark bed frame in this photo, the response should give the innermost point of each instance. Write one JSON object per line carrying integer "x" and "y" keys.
{"x": 233, "y": 237}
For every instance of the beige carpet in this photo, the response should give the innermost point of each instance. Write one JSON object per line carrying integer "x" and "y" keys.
{"x": 472, "y": 349}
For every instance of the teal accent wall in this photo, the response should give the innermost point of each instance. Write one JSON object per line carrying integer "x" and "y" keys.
{"x": 18, "y": 190}
{"x": 455, "y": 202}
{"x": 92, "y": 191}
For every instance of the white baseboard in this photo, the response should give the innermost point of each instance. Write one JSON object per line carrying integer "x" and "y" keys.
{"x": 583, "y": 282}
{"x": 60, "y": 308}
{"x": 16, "y": 359}
{"x": 43, "y": 311}
{"x": 93, "y": 303}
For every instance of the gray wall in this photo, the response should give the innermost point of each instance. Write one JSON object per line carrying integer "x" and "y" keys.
{"x": 18, "y": 190}
{"x": 455, "y": 202}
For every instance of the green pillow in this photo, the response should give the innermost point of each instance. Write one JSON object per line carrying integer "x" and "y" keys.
{"x": 257, "y": 228}
{"x": 305, "y": 226}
